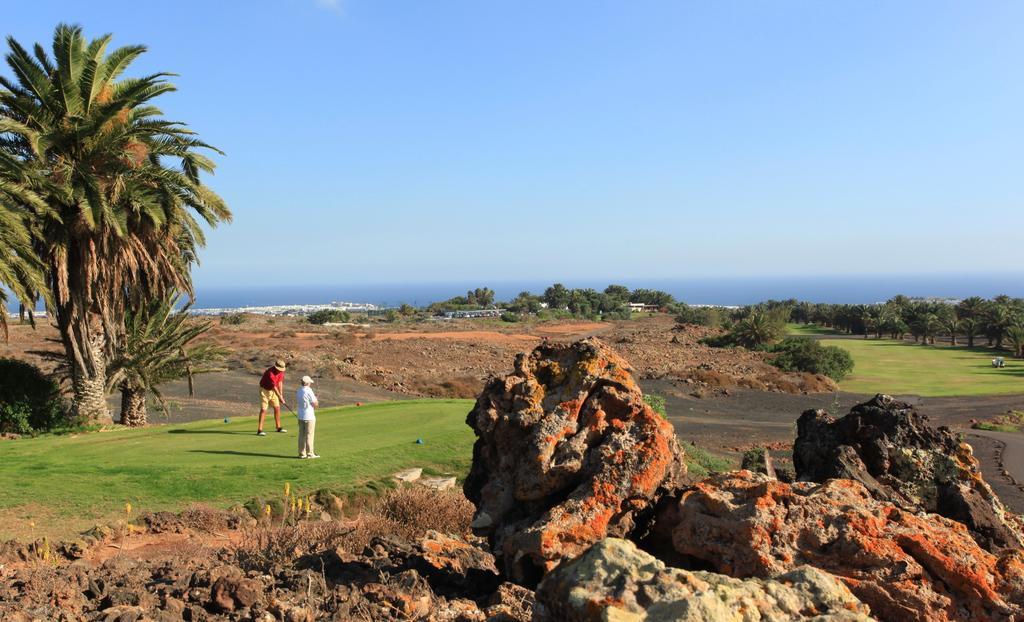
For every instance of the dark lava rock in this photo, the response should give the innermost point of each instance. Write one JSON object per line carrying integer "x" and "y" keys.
{"x": 888, "y": 446}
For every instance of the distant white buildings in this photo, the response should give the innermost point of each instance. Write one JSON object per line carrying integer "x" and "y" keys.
{"x": 36, "y": 314}
{"x": 451, "y": 315}
{"x": 351, "y": 307}
{"x": 639, "y": 307}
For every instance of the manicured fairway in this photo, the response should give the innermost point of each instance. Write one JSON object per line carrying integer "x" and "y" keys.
{"x": 67, "y": 484}
{"x": 887, "y": 366}
{"x": 808, "y": 330}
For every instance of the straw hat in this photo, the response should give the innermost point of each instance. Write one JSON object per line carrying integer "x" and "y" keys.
{"x": 280, "y": 365}
{"x": 306, "y": 380}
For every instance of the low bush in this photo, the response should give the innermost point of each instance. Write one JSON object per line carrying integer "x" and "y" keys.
{"x": 328, "y": 316}
{"x": 725, "y": 340}
{"x": 808, "y": 355}
{"x": 233, "y": 319}
{"x": 31, "y": 401}
{"x": 419, "y": 509}
{"x": 509, "y": 317}
{"x": 701, "y": 463}
{"x": 622, "y": 313}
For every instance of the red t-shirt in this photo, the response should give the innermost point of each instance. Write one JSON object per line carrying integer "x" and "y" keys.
{"x": 272, "y": 378}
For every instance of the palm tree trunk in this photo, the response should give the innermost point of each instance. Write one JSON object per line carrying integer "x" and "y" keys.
{"x": 89, "y": 388}
{"x": 133, "y": 407}
{"x": 952, "y": 339}
{"x": 83, "y": 338}
{"x": 970, "y": 340}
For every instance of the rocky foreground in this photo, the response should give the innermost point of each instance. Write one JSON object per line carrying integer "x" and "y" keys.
{"x": 581, "y": 510}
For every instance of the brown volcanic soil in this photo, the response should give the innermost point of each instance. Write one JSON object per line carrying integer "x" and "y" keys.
{"x": 453, "y": 358}
{"x": 434, "y": 358}
{"x": 722, "y": 407}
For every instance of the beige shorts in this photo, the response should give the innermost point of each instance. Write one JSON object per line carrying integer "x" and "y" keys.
{"x": 269, "y": 398}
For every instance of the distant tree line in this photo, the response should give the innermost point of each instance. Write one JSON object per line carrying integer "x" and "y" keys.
{"x": 560, "y": 301}
{"x": 610, "y": 304}
{"x": 479, "y": 298}
{"x": 999, "y": 321}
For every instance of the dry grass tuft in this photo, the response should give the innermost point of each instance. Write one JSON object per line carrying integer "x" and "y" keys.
{"x": 406, "y": 513}
{"x": 421, "y": 509}
{"x": 267, "y": 549}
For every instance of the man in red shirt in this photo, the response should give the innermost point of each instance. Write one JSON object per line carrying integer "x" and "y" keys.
{"x": 272, "y": 394}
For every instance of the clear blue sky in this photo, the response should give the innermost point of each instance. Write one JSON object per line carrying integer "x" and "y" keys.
{"x": 384, "y": 141}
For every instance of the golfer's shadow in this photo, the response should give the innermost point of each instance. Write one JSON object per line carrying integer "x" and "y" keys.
{"x": 207, "y": 432}
{"x": 228, "y": 452}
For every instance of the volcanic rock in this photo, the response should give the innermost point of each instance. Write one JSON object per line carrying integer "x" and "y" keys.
{"x": 888, "y": 446}
{"x": 567, "y": 453}
{"x": 905, "y": 566}
{"x": 232, "y": 592}
{"x": 614, "y": 580}
{"x": 450, "y": 565}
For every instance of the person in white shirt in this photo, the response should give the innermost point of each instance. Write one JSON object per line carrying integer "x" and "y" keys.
{"x": 305, "y": 401}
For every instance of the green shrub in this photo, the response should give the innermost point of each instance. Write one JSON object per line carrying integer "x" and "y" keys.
{"x": 621, "y": 313}
{"x": 14, "y": 417}
{"x": 328, "y": 316}
{"x": 805, "y": 354}
{"x": 31, "y": 401}
{"x": 701, "y": 316}
{"x": 701, "y": 463}
{"x": 232, "y": 319}
{"x": 725, "y": 340}
{"x": 656, "y": 402}
{"x": 509, "y": 317}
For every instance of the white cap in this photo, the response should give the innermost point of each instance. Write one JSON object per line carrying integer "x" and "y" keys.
{"x": 307, "y": 380}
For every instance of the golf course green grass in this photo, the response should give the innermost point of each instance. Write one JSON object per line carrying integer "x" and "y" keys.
{"x": 904, "y": 368}
{"x": 66, "y": 484}
{"x": 808, "y": 330}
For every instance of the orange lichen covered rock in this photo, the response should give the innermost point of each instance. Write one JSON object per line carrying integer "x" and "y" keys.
{"x": 904, "y": 565}
{"x": 567, "y": 453}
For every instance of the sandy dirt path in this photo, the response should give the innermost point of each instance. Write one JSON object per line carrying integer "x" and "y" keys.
{"x": 1002, "y": 459}
{"x": 1013, "y": 453}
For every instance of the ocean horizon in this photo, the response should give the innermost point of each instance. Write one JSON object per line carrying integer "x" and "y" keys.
{"x": 724, "y": 291}
{"x": 710, "y": 291}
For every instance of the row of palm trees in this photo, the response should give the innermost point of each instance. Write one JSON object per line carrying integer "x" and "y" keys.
{"x": 101, "y": 203}
{"x": 999, "y": 320}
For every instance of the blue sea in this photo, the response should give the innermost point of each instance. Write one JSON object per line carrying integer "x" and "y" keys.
{"x": 718, "y": 291}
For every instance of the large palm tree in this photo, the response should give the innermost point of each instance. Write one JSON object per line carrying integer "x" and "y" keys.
{"x": 950, "y": 322}
{"x": 759, "y": 327}
{"x": 156, "y": 348}
{"x": 970, "y": 311}
{"x": 997, "y": 318}
{"x": 124, "y": 191}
